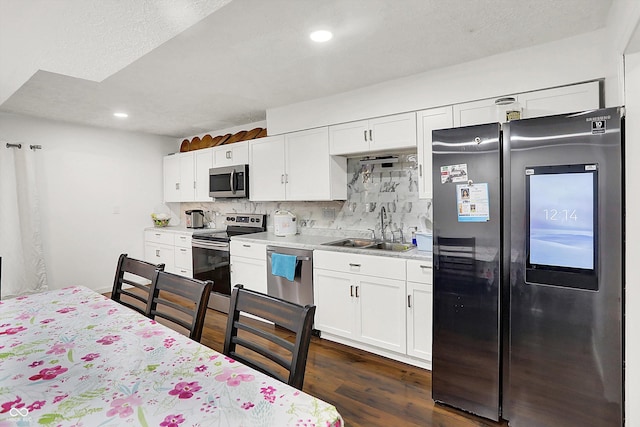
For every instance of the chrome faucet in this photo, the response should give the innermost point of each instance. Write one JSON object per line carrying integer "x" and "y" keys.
{"x": 383, "y": 216}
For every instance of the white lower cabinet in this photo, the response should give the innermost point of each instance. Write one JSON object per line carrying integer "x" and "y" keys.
{"x": 249, "y": 265}
{"x": 419, "y": 309}
{"x": 173, "y": 249}
{"x": 364, "y": 308}
{"x": 375, "y": 303}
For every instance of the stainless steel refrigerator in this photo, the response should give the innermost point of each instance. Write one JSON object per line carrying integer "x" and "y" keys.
{"x": 528, "y": 270}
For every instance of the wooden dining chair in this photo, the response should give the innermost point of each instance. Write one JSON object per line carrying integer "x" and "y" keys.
{"x": 256, "y": 343}
{"x": 137, "y": 274}
{"x": 180, "y": 300}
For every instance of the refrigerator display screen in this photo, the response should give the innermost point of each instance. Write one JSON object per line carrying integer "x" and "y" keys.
{"x": 562, "y": 210}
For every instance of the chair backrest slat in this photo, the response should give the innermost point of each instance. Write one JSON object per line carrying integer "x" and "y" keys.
{"x": 260, "y": 338}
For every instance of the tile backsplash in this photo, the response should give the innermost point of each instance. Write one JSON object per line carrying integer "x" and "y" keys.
{"x": 371, "y": 187}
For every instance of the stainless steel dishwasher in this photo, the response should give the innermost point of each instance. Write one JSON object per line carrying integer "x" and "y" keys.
{"x": 300, "y": 290}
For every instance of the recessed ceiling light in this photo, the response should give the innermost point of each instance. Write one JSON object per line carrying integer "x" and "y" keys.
{"x": 121, "y": 115}
{"x": 321, "y": 36}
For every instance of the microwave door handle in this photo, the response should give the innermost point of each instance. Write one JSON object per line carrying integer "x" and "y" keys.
{"x": 232, "y": 181}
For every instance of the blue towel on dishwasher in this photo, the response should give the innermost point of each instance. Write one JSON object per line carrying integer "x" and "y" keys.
{"x": 284, "y": 265}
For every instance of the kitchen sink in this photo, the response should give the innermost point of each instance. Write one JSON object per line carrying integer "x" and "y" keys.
{"x": 371, "y": 244}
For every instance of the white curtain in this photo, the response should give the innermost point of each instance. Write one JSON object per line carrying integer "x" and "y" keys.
{"x": 23, "y": 268}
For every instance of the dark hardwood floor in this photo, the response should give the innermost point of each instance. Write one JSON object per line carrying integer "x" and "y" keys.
{"x": 368, "y": 390}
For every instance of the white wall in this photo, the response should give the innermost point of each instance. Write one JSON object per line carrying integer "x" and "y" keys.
{"x": 632, "y": 159}
{"x": 85, "y": 175}
{"x": 568, "y": 61}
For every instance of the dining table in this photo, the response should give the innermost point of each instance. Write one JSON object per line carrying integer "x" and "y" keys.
{"x": 73, "y": 357}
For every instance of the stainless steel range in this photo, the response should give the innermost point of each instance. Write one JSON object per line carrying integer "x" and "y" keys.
{"x": 211, "y": 255}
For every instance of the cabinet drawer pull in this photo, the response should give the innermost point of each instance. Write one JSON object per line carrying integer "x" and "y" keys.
{"x": 409, "y": 300}
{"x": 365, "y": 135}
{"x": 357, "y": 287}
{"x": 370, "y": 135}
{"x": 351, "y": 290}
{"x": 177, "y": 185}
{"x": 282, "y": 179}
{"x": 246, "y": 246}
{"x": 354, "y": 265}
{"x": 183, "y": 250}
{"x": 158, "y": 253}
{"x": 228, "y": 154}
{"x": 420, "y": 170}
{"x": 194, "y": 184}
{"x": 425, "y": 266}
{"x": 158, "y": 234}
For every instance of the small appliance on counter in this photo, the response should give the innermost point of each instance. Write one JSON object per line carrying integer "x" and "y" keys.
{"x": 284, "y": 223}
{"x": 195, "y": 218}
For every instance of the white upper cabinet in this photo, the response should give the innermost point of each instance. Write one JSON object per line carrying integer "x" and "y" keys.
{"x": 296, "y": 166}
{"x": 427, "y": 121}
{"x": 231, "y": 155}
{"x": 397, "y": 132}
{"x": 179, "y": 179}
{"x": 203, "y": 162}
{"x": 186, "y": 176}
{"x": 266, "y": 169}
{"x": 477, "y": 112}
{"x": 560, "y": 100}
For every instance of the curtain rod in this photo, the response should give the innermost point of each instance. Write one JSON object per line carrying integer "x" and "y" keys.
{"x": 19, "y": 146}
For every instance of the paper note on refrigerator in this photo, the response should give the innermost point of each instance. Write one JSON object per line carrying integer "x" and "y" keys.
{"x": 473, "y": 202}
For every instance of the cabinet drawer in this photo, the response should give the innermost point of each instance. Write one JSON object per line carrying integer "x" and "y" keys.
{"x": 159, "y": 254}
{"x": 161, "y": 237}
{"x": 182, "y": 240}
{"x": 183, "y": 258}
{"x": 419, "y": 271}
{"x": 378, "y": 266}
{"x": 248, "y": 249}
{"x": 186, "y": 272}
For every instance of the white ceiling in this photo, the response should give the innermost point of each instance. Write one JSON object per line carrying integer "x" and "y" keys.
{"x": 186, "y": 67}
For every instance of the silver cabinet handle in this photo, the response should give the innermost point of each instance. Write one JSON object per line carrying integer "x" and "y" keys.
{"x": 183, "y": 250}
{"x": 425, "y": 266}
{"x": 351, "y": 290}
{"x": 158, "y": 253}
{"x": 365, "y": 134}
{"x": 282, "y": 179}
{"x": 246, "y": 246}
{"x": 177, "y": 185}
{"x": 420, "y": 170}
{"x": 158, "y": 234}
{"x": 409, "y": 300}
{"x": 354, "y": 265}
{"x": 370, "y": 135}
{"x": 286, "y": 178}
{"x": 357, "y": 287}
{"x": 228, "y": 154}
{"x": 194, "y": 184}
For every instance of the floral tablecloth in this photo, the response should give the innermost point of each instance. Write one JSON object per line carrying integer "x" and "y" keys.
{"x": 72, "y": 357}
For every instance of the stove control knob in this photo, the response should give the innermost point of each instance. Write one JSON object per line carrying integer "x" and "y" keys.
{"x": 253, "y": 220}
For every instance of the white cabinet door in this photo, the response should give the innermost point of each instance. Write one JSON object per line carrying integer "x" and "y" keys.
{"x": 251, "y": 273}
{"x": 171, "y": 175}
{"x": 427, "y": 121}
{"x": 334, "y": 297}
{"x": 160, "y": 254}
{"x": 267, "y": 169}
{"x": 187, "y": 177}
{"x": 308, "y": 173}
{"x": 382, "y": 314}
{"x": 348, "y": 138}
{"x": 393, "y": 132}
{"x": 561, "y": 100}
{"x": 203, "y": 162}
{"x": 476, "y": 112}
{"x": 232, "y": 154}
{"x": 183, "y": 258}
{"x": 419, "y": 320}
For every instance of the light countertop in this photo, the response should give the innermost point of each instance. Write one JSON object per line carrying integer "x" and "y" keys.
{"x": 315, "y": 242}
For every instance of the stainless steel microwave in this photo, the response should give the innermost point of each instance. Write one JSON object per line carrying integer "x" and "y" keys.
{"x": 230, "y": 181}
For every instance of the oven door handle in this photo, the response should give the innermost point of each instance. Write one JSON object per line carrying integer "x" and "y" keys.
{"x": 210, "y": 245}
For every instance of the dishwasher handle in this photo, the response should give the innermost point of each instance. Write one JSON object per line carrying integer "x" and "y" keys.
{"x": 299, "y": 258}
